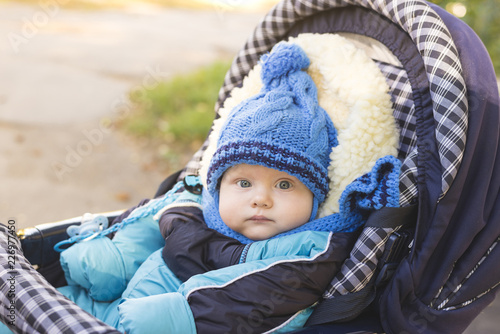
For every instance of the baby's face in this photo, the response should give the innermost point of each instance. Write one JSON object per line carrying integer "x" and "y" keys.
{"x": 261, "y": 202}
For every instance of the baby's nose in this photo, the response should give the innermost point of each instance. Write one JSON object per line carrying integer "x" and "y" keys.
{"x": 262, "y": 199}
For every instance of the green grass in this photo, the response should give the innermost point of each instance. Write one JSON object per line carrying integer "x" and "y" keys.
{"x": 177, "y": 114}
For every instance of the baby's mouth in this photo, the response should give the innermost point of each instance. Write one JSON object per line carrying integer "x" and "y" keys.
{"x": 260, "y": 219}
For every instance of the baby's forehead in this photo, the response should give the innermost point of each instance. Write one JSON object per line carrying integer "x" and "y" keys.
{"x": 255, "y": 170}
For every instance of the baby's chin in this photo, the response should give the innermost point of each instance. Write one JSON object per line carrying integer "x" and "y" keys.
{"x": 258, "y": 234}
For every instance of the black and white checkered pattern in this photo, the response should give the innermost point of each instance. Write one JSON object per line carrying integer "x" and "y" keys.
{"x": 193, "y": 165}
{"x": 404, "y": 113}
{"x": 361, "y": 265}
{"x": 38, "y": 307}
{"x": 438, "y": 52}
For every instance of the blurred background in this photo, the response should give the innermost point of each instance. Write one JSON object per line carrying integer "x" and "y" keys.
{"x": 101, "y": 100}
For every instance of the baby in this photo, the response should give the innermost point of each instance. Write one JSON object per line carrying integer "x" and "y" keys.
{"x": 253, "y": 257}
{"x": 260, "y": 202}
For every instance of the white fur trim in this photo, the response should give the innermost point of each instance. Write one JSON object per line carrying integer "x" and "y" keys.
{"x": 354, "y": 93}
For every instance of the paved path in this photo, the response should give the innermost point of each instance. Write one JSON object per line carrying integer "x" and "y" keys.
{"x": 63, "y": 73}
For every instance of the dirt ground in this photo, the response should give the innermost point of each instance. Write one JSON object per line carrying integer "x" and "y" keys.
{"x": 64, "y": 74}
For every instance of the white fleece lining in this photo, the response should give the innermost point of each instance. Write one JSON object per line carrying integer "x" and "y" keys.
{"x": 262, "y": 269}
{"x": 354, "y": 93}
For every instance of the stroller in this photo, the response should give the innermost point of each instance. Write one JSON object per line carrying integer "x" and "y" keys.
{"x": 431, "y": 265}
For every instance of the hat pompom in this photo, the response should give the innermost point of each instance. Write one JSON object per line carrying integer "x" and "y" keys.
{"x": 284, "y": 59}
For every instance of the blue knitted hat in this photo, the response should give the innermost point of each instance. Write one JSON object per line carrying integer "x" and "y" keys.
{"x": 283, "y": 127}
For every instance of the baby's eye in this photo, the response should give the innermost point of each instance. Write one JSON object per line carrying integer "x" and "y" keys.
{"x": 244, "y": 183}
{"x": 284, "y": 185}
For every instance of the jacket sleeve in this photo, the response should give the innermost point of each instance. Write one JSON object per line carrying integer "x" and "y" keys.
{"x": 191, "y": 248}
{"x": 267, "y": 292}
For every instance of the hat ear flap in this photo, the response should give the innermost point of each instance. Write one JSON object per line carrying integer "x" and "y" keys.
{"x": 315, "y": 208}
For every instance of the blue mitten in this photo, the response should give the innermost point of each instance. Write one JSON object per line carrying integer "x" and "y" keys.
{"x": 104, "y": 266}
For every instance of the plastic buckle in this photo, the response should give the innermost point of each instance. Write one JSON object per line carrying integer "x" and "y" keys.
{"x": 193, "y": 184}
{"x": 92, "y": 236}
{"x": 396, "y": 248}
